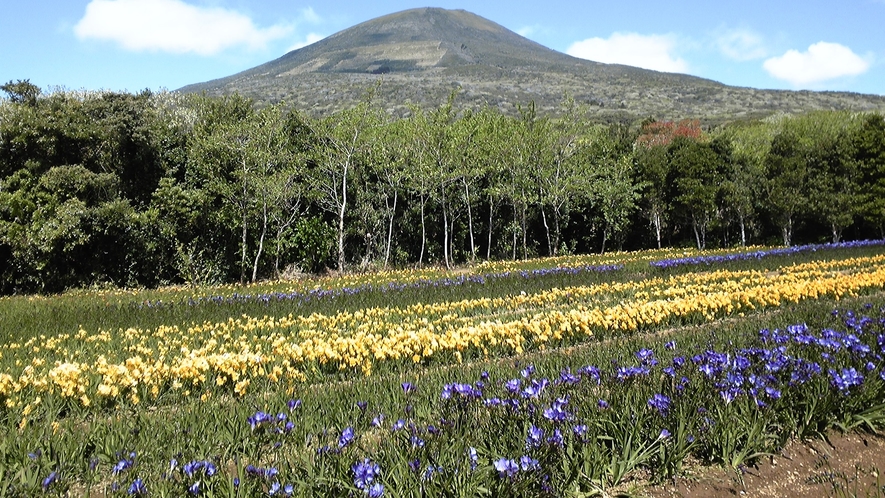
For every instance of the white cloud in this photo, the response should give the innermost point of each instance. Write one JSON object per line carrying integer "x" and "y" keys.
{"x": 822, "y": 62}
{"x": 310, "y": 16}
{"x": 526, "y": 31}
{"x": 309, "y": 39}
{"x": 646, "y": 51}
{"x": 741, "y": 44}
{"x": 172, "y": 26}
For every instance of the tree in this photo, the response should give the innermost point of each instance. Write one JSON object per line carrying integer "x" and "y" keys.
{"x": 786, "y": 182}
{"x": 22, "y": 92}
{"x": 868, "y": 145}
{"x": 695, "y": 168}
{"x": 745, "y": 173}
{"x": 342, "y": 140}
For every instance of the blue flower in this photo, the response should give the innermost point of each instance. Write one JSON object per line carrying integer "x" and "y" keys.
{"x": 364, "y": 473}
{"x": 845, "y": 379}
{"x": 121, "y": 466}
{"x": 660, "y": 403}
{"x": 346, "y": 437}
{"x": 408, "y": 387}
{"x": 376, "y": 490}
{"x": 513, "y": 385}
{"x": 580, "y": 430}
{"x": 534, "y": 438}
{"x": 259, "y": 420}
{"x": 137, "y": 487}
{"x": 473, "y": 457}
{"x": 527, "y": 463}
{"x": 506, "y": 467}
{"x": 49, "y": 480}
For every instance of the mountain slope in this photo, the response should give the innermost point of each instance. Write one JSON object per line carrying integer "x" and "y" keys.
{"x": 421, "y": 55}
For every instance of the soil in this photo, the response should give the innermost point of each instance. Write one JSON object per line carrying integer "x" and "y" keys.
{"x": 850, "y": 465}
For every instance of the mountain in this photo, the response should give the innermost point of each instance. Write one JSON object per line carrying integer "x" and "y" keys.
{"x": 421, "y": 55}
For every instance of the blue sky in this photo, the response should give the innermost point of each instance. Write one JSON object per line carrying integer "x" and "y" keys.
{"x": 166, "y": 44}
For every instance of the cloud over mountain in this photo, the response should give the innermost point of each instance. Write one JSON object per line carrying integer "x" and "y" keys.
{"x": 822, "y": 61}
{"x": 656, "y": 52}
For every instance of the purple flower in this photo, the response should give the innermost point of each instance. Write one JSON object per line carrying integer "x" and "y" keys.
{"x": 555, "y": 438}
{"x": 660, "y": 403}
{"x": 121, "y": 466}
{"x": 580, "y": 430}
{"x": 535, "y": 389}
{"x": 506, "y": 467}
{"x": 346, "y": 437}
{"x": 408, "y": 387}
{"x": 194, "y": 489}
{"x": 294, "y": 404}
{"x": 378, "y": 420}
{"x": 527, "y": 463}
{"x": 845, "y": 379}
{"x": 259, "y": 420}
{"x": 49, "y": 480}
{"x": 364, "y": 473}
{"x": 602, "y": 404}
{"x": 376, "y": 490}
{"x": 534, "y": 438}
{"x": 137, "y": 487}
{"x": 513, "y": 385}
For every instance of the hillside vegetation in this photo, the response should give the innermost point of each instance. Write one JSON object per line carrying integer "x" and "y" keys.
{"x": 417, "y": 57}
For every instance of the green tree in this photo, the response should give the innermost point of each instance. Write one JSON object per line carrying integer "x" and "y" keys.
{"x": 697, "y": 179}
{"x": 786, "y": 182}
{"x": 869, "y": 153}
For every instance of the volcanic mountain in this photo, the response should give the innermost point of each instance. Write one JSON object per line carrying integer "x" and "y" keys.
{"x": 422, "y": 55}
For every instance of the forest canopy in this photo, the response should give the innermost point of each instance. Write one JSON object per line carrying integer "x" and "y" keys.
{"x": 148, "y": 189}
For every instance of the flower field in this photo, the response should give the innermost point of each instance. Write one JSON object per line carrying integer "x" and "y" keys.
{"x": 545, "y": 377}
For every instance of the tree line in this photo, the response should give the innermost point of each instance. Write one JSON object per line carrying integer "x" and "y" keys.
{"x": 146, "y": 189}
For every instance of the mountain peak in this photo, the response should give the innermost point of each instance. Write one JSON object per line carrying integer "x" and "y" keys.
{"x": 416, "y": 40}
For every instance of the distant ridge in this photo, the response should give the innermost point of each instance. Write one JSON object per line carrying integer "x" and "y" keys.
{"x": 421, "y": 55}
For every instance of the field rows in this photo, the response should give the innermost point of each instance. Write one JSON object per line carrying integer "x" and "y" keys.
{"x": 131, "y": 365}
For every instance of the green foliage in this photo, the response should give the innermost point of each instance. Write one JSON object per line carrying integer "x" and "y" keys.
{"x": 146, "y": 189}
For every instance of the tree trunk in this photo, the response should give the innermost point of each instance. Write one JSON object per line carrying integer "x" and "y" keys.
{"x": 551, "y": 251}
{"x": 491, "y": 223}
{"x": 515, "y": 233}
{"x": 445, "y": 227}
{"x": 423, "y": 232}
{"x": 656, "y": 221}
{"x": 469, "y": 219}
{"x": 743, "y": 223}
{"x": 260, "y": 240}
{"x": 341, "y": 212}
{"x": 244, "y": 221}
{"x": 525, "y": 247}
{"x": 787, "y": 230}
{"x": 390, "y": 229}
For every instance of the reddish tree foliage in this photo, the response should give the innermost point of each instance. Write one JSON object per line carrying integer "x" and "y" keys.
{"x": 656, "y": 133}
